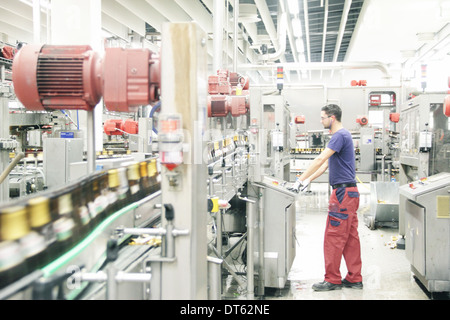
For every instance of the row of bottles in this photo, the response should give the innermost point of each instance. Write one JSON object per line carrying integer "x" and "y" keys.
{"x": 378, "y": 151}
{"x": 306, "y": 150}
{"x": 222, "y": 148}
{"x": 35, "y": 231}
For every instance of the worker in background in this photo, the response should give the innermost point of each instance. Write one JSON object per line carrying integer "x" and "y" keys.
{"x": 341, "y": 232}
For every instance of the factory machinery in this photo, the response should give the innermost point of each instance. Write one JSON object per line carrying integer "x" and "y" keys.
{"x": 424, "y": 194}
{"x": 214, "y": 202}
{"x": 172, "y": 225}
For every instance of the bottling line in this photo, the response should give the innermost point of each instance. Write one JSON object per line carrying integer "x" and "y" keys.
{"x": 195, "y": 184}
{"x": 127, "y": 230}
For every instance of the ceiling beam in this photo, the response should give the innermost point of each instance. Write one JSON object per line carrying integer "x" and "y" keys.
{"x": 114, "y": 27}
{"x": 18, "y": 8}
{"x": 347, "y": 5}
{"x": 170, "y": 10}
{"x": 124, "y": 16}
{"x": 15, "y": 34}
{"x": 198, "y": 13}
{"x": 145, "y": 12}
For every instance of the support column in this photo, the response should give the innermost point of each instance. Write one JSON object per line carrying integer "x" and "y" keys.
{"x": 183, "y": 93}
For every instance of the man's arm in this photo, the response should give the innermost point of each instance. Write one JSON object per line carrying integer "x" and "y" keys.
{"x": 318, "y": 166}
{"x": 319, "y": 171}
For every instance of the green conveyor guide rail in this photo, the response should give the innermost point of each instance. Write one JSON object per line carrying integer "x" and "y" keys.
{"x": 64, "y": 259}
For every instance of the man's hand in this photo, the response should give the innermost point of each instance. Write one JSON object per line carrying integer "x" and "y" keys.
{"x": 296, "y": 186}
{"x": 304, "y": 184}
{"x": 299, "y": 185}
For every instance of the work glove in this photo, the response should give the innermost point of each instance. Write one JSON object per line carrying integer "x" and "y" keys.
{"x": 296, "y": 186}
{"x": 304, "y": 184}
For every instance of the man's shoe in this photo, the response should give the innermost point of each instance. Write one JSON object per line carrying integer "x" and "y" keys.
{"x": 353, "y": 285}
{"x": 326, "y": 286}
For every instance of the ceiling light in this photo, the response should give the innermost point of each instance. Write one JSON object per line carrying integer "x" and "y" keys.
{"x": 299, "y": 45}
{"x": 293, "y": 7}
{"x": 297, "y": 27}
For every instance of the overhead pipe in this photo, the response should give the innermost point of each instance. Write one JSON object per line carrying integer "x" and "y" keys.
{"x": 235, "y": 34}
{"x": 282, "y": 30}
{"x": 324, "y": 38}
{"x": 218, "y": 34}
{"x": 290, "y": 35}
{"x": 267, "y": 20}
{"x": 321, "y": 66}
{"x": 306, "y": 18}
{"x": 344, "y": 18}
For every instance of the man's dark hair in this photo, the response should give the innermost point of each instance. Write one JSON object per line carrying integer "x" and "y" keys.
{"x": 333, "y": 110}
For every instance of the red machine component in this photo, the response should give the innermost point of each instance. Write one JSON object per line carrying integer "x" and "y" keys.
{"x": 228, "y": 94}
{"x": 131, "y": 78}
{"x": 356, "y": 83}
{"x": 130, "y": 126}
{"x": 117, "y": 127}
{"x": 74, "y": 77}
{"x": 362, "y": 120}
{"x": 394, "y": 117}
{"x": 375, "y": 100}
{"x": 57, "y": 77}
{"x": 221, "y": 105}
{"x": 299, "y": 119}
{"x": 446, "y": 108}
{"x": 111, "y": 125}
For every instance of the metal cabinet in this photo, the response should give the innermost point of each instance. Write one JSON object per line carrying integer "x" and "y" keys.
{"x": 426, "y": 205}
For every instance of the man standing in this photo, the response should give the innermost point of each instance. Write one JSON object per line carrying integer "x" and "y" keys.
{"x": 341, "y": 233}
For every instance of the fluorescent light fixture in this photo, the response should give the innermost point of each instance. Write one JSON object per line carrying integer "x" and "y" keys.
{"x": 299, "y": 45}
{"x": 301, "y": 58}
{"x": 293, "y": 7}
{"x": 297, "y": 27}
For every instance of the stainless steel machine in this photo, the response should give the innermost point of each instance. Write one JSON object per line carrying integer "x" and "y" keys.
{"x": 279, "y": 232}
{"x": 424, "y": 142}
{"x": 426, "y": 204}
{"x": 273, "y": 209}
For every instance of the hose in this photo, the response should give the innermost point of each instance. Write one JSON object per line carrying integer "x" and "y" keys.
{"x": 362, "y": 183}
{"x": 11, "y": 166}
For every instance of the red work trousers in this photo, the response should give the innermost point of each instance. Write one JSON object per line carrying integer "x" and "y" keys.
{"x": 341, "y": 236}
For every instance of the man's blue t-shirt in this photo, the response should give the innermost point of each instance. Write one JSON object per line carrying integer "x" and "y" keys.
{"x": 341, "y": 165}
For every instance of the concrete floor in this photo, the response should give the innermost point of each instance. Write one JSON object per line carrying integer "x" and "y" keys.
{"x": 386, "y": 271}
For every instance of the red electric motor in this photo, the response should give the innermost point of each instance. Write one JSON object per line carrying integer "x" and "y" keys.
{"x": 74, "y": 77}
{"x": 57, "y": 77}
{"x": 113, "y": 127}
{"x": 117, "y": 127}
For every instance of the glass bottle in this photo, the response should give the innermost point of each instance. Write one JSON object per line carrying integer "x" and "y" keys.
{"x": 124, "y": 190}
{"x": 144, "y": 182}
{"x": 103, "y": 186}
{"x": 98, "y": 202}
{"x": 113, "y": 190}
{"x": 81, "y": 211}
{"x": 13, "y": 227}
{"x": 64, "y": 224}
{"x": 40, "y": 222}
{"x": 153, "y": 175}
{"x": 133, "y": 181}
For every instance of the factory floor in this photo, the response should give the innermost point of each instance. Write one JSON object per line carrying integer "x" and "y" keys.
{"x": 386, "y": 271}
